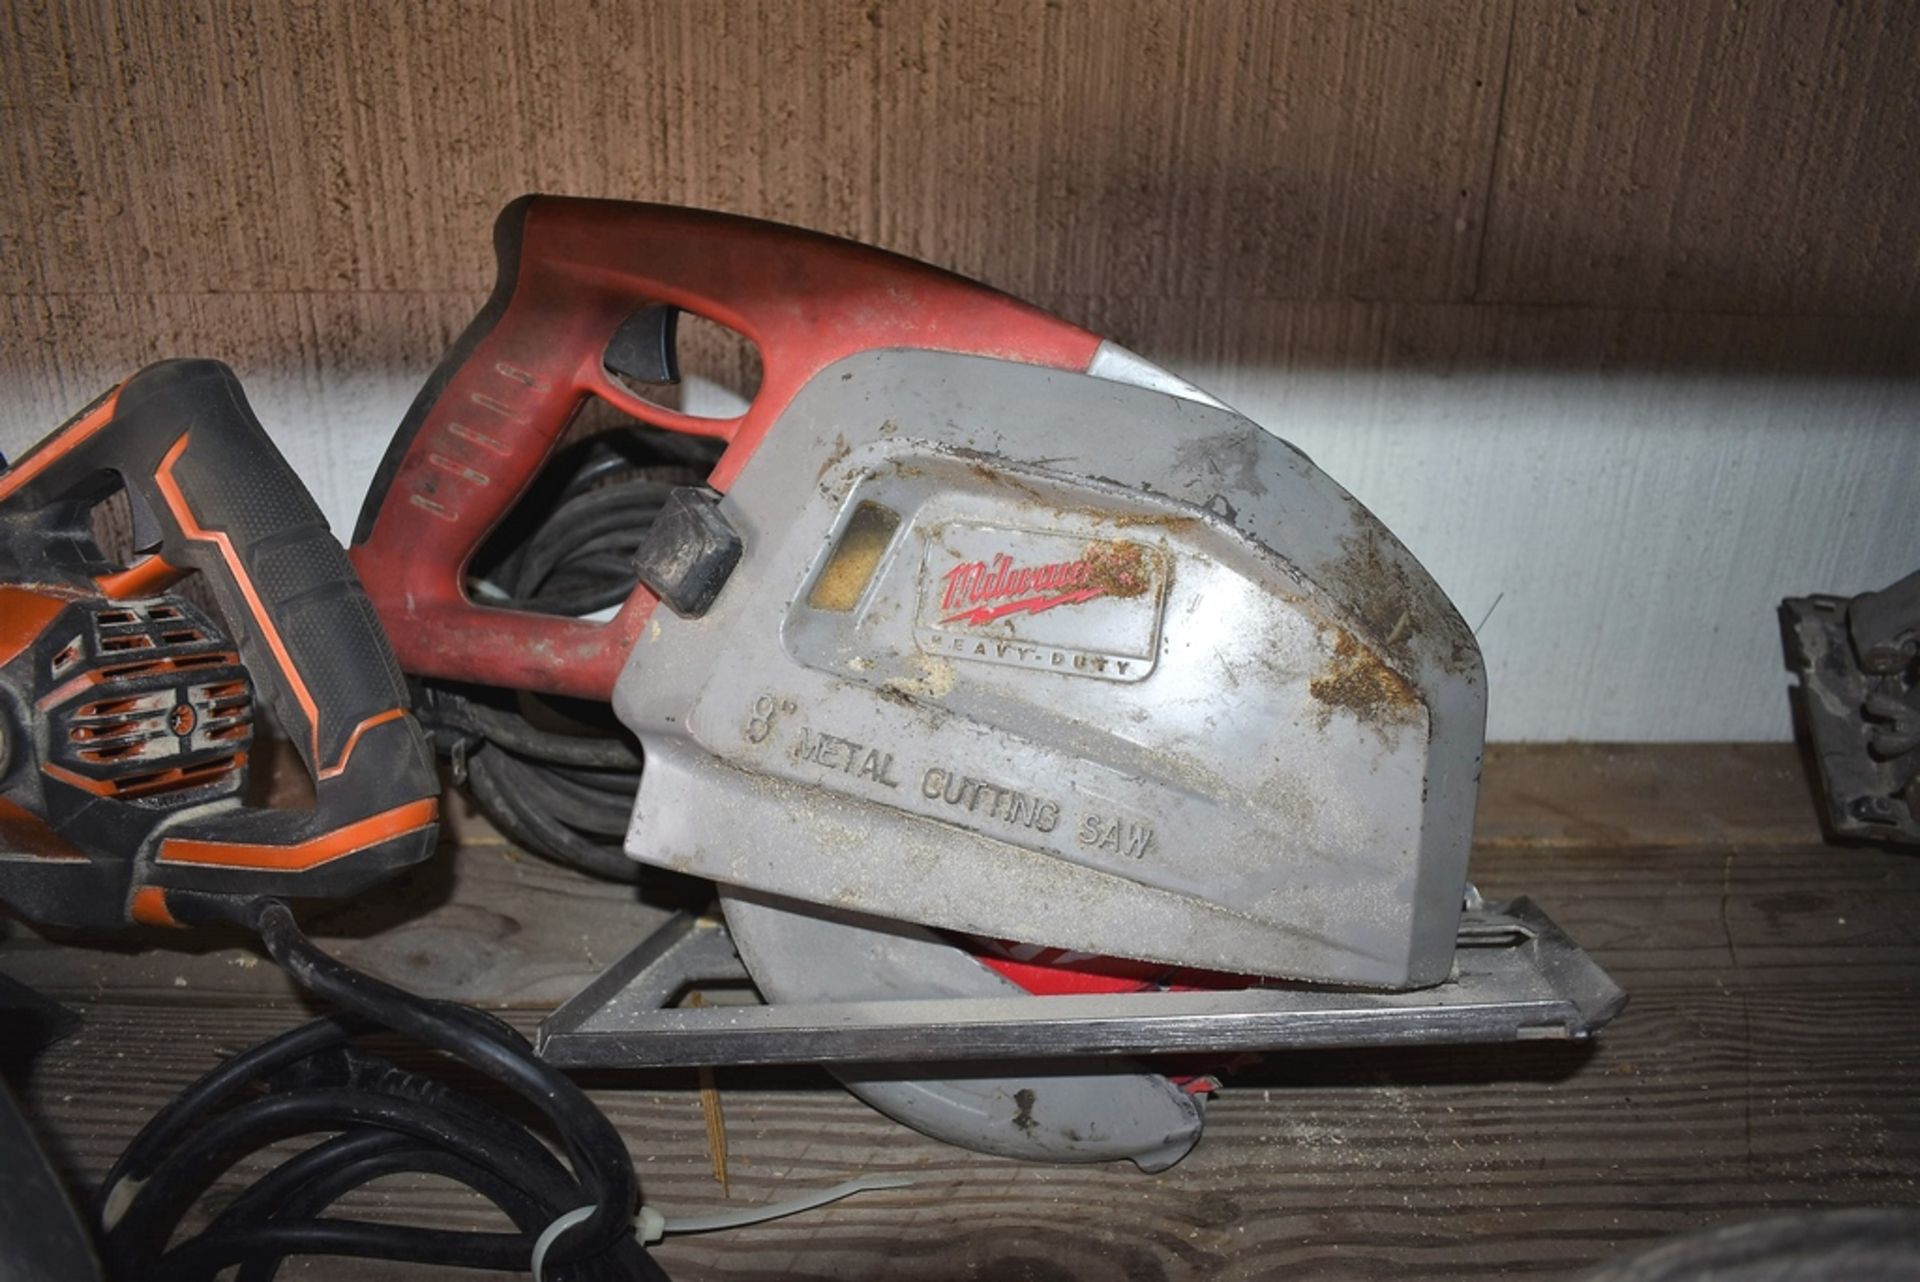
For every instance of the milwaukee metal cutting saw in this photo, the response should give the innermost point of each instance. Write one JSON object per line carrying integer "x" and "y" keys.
{"x": 1028, "y": 707}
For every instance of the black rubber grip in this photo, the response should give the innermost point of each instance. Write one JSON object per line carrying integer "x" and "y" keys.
{"x": 225, "y": 495}
{"x": 187, "y": 446}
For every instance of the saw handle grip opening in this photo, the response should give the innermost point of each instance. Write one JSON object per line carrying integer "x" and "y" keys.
{"x": 573, "y": 277}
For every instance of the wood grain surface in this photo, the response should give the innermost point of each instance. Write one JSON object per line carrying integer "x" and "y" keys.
{"x": 365, "y": 147}
{"x": 1764, "y": 1063}
{"x": 1718, "y": 156}
{"x": 1695, "y": 156}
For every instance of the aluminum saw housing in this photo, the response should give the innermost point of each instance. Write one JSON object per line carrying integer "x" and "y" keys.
{"x": 1053, "y": 658}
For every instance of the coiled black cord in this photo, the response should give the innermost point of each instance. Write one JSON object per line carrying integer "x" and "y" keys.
{"x": 565, "y": 796}
{"x": 383, "y": 1120}
{"x": 558, "y": 777}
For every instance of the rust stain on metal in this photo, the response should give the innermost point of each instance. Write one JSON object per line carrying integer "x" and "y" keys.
{"x": 1169, "y": 521}
{"x": 1118, "y": 569}
{"x": 1357, "y": 681}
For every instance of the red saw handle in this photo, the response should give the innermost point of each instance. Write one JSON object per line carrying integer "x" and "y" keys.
{"x": 571, "y": 272}
{"x": 223, "y": 502}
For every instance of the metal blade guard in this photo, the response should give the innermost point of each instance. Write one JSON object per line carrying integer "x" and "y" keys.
{"x": 1045, "y": 657}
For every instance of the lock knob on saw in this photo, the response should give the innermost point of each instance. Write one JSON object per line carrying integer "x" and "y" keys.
{"x": 127, "y": 712}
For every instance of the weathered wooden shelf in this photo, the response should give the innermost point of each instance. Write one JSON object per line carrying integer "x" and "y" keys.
{"x": 1765, "y": 1063}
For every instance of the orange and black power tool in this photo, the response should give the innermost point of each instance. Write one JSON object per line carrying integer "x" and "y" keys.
{"x": 128, "y": 713}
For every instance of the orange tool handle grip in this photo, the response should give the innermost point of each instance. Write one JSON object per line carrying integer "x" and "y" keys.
{"x": 182, "y": 439}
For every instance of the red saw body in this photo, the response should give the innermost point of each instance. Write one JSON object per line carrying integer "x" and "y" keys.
{"x": 574, "y": 276}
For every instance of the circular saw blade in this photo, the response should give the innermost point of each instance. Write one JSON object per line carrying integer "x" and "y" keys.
{"x": 1054, "y": 1111}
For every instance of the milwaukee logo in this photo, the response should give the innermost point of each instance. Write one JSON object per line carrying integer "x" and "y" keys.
{"x": 978, "y": 592}
{"x": 994, "y": 591}
{"x": 1034, "y": 599}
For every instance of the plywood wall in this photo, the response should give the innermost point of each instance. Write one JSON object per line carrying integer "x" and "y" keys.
{"x": 1607, "y": 308}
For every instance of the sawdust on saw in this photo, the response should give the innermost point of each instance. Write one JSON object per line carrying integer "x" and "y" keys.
{"x": 1118, "y": 569}
{"x": 1356, "y": 681}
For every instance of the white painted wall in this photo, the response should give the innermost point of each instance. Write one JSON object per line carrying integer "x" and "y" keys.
{"x": 1635, "y": 529}
{"x": 1621, "y": 542}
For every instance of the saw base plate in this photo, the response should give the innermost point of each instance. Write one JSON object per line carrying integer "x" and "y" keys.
{"x": 1517, "y": 977}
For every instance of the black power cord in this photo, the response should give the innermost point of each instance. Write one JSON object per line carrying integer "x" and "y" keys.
{"x": 565, "y": 795}
{"x": 558, "y": 776}
{"x": 382, "y": 1120}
